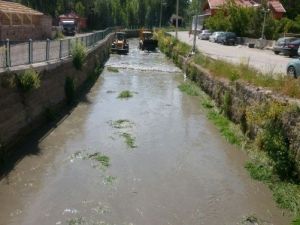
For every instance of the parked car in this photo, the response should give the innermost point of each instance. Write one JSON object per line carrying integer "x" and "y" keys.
{"x": 204, "y": 35}
{"x": 282, "y": 43}
{"x": 293, "y": 68}
{"x": 214, "y": 36}
{"x": 291, "y": 49}
{"x": 227, "y": 38}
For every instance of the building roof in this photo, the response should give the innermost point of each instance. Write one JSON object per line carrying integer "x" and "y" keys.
{"x": 213, "y": 4}
{"x": 71, "y": 15}
{"x": 277, "y": 6}
{"x": 12, "y": 7}
{"x": 274, "y": 4}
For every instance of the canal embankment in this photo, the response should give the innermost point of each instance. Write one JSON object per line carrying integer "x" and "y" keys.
{"x": 267, "y": 115}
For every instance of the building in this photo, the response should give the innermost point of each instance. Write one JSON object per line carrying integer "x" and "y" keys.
{"x": 277, "y": 9}
{"x": 81, "y": 23}
{"x": 173, "y": 20}
{"x": 20, "y": 23}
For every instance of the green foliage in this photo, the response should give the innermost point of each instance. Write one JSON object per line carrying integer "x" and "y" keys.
{"x": 259, "y": 171}
{"x": 112, "y": 69}
{"x": 225, "y": 128}
{"x": 59, "y": 35}
{"x": 226, "y": 106}
{"x": 125, "y": 94}
{"x": 189, "y": 88}
{"x": 79, "y": 8}
{"x": 129, "y": 140}
{"x": 70, "y": 89}
{"x": 247, "y": 21}
{"x": 102, "y": 159}
{"x": 296, "y": 221}
{"x": 218, "y": 22}
{"x": 79, "y": 53}
{"x": 29, "y": 80}
{"x": 275, "y": 143}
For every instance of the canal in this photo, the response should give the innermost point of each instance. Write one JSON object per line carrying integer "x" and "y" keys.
{"x": 151, "y": 159}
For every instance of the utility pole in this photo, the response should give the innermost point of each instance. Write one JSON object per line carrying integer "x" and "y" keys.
{"x": 177, "y": 8}
{"x": 196, "y": 26}
{"x": 265, "y": 11}
{"x": 195, "y": 34}
{"x": 160, "y": 17}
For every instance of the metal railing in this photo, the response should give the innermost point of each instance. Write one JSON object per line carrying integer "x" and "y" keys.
{"x": 24, "y": 53}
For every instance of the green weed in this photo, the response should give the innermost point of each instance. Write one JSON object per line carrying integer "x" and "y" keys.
{"x": 121, "y": 124}
{"x": 112, "y": 69}
{"x": 79, "y": 54}
{"x": 29, "y": 80}
{"x": 109, "y": 179}
{"x": 125, "y": 94}
{"x": 76, "y": 221}
{"x": 224, "y": 126}
{"x": 189, "y": 88}
{"x": 296, "y": 221}
{"x": 129, "y": 140}
{"x": 102, "y": 159}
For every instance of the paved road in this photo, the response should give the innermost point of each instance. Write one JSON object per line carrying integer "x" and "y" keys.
{"x": 263, "y": 60}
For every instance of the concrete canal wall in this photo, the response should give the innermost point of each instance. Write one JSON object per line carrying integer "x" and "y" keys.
{"x": 22, "y": 112}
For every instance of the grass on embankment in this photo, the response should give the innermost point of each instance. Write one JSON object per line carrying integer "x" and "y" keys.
{"x": 279, "y": 83}
{"x": 260, "y": 165}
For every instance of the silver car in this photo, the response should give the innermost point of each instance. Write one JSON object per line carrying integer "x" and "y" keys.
{"x": 293, "y": 68}
{"x": 215, "y": 36}
{"x": 204, "y": 35}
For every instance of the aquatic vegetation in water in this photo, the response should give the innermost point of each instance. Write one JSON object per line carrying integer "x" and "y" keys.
{"x": 109, "y": 180}
{"x": 102, "y": 159}
{"x": 125, "y": 94}
{"x": 129, "y": 140}
{"x": 112, "y": 69}
{"x": 123, "y": 123}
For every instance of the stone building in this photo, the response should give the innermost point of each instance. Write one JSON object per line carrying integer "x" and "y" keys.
{"x": 20, "y": 23}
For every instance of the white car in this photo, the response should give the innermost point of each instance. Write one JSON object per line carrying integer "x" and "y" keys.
{"x": 204, "y": 35}
{"x": 215, "y": 35}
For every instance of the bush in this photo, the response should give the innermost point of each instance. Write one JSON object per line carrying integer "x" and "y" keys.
{"x": 59, "y": 35}
{"x": 78, "y": 54}
{"x": 70, "y": 89}
{"x": 29, "y": 80}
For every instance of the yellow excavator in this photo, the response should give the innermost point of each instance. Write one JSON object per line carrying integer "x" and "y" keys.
{"x": 147, "y": 41}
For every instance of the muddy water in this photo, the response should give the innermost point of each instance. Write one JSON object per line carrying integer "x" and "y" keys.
{"x": 177, "y": 171}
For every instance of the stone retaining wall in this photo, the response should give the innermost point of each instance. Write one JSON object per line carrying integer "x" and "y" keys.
{"x": 242, "y": 96}
{"x": 22, "y": 112}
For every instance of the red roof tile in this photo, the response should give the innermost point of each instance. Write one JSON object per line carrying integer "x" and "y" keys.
{"x": 274, "y": 4}
{"x": 277, "y": 6}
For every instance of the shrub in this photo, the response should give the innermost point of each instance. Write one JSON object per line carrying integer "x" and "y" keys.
{"x": 70, "y": 89}
{"x": 78, "y": 54}
{"x": 29, "y": 80}
{"x": 59, "y": 35}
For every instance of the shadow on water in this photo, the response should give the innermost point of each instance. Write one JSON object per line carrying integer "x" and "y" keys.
{"x": 29, "y": 144}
